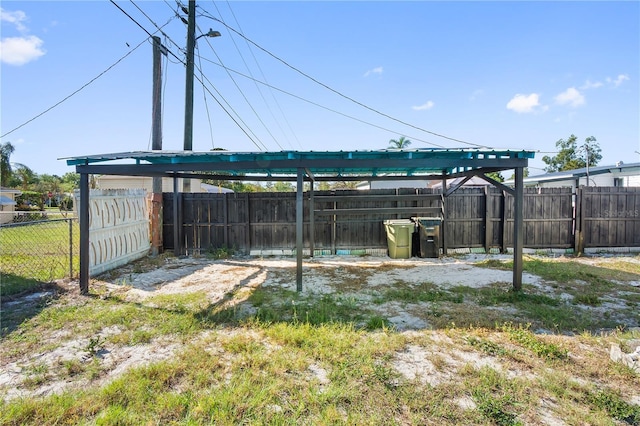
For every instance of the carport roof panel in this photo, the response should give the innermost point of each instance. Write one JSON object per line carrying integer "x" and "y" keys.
{"x": 360, "y": 162}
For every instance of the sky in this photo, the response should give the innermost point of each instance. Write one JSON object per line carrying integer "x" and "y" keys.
{"x": 321, "y": 76}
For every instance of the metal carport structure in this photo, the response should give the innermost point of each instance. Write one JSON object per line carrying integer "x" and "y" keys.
{"x": 298, "y": 166}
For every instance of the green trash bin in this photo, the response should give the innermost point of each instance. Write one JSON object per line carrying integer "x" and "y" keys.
{"x": 399, "y": 236}
{"x": 429, "y": 235}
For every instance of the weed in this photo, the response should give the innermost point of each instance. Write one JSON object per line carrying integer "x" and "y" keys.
{"x": 611, "y": 402}
{"x": 525, "y": 337}
{"x": 496, "y": 408}
{"x": 36, "y": 375}
{"x": 220, "y": 253}
{"x": 377, "y": 322}
{"x": 94, "y": 345}
{"x": 423, "y": 292}
{"x": 486, "y": 346}
{"x": 587, "y": 299}
{"x": 73, "y": 367}
{"x": 495, "y": 396}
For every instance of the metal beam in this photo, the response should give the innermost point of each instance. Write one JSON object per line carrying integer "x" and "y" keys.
{"x": 455, "y": 187}
{"x": 83, "y": 211}
{"x": 317, "y": 165}
{"x": 497, "y": 184}
{"x": 518, "y": 232}
{"x": 299, "y": 228}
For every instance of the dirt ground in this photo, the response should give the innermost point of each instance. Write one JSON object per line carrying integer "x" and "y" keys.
{"x": 357, "y": 278}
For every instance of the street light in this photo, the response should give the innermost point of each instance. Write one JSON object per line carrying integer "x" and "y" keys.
{"x": 211, "y": 33}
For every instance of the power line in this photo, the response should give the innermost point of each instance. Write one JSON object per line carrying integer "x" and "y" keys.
{"x": 201, "y": 82}
{"x": 339, "y": 93}
{"x": 77, "y": 91}
{"x": 206, "y": 104}
{"x": 324, "y": 107}
{"x": 251, "y": 74}
{"x": 245, "y": 98}
{"x": 130, "y": 17}
{"x": 263, "y": 148}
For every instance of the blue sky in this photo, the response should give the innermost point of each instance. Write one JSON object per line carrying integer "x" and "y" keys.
{"x": 517, "y": 75}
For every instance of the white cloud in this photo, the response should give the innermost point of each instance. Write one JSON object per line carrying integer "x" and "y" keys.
{"x": 571, "y": 97}
{"x": 476, "y": 94}
{"x": 423, "y": 107}
{"x": 525, "y": 103}
{"x": 619, "y": 80}
{"x": 591, "y": 85}
{"x": 377, "y": 70}
{"x": 20, "y": 50}
{"x": 15, "y": 18}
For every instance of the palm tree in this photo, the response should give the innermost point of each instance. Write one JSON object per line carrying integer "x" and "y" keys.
{"x": 6, "y": 149}
{"x": 399, "y": 143}
{"x": 25, "y": 175}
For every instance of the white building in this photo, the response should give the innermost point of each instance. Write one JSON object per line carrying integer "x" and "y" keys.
{"x": 618, "y": 175}
{"x": 145, "y": 182}
{"x": 8, "y": 204}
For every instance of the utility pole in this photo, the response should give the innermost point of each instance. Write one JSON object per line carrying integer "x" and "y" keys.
{"x": 156, "y": 144}
{"x": 188, "y": 96}
{"x": 586, "y": 148}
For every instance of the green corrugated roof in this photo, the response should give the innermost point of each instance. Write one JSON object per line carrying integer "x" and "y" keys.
{"x": 372, "y": 163}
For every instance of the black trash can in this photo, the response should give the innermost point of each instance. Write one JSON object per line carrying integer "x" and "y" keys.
{"x": 429, "y": 235}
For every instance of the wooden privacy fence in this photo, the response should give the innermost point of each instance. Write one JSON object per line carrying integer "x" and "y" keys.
{"x": 353, "y": 220}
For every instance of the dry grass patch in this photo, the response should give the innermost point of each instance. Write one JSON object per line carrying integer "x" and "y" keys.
{"x": 245, "y": 347}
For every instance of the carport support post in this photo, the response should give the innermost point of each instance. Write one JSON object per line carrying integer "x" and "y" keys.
{"x": 299, "y": 229}
{"x": 312, "y": 231}
{"x": 518, "y": 233}
{"x": 176, "y": 223}
{"x": 83, "y": 211}
{"x": 443, "y": 227}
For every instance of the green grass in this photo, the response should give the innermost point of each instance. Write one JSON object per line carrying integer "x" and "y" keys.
{"x": 36, "y": 252}
{"x": 305, "y": 358}
{"x": 588, "y": 284}
{"x": 423, "y": 292}
{"x": 541, "y": 348}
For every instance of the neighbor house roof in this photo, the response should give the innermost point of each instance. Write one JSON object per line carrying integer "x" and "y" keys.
{"x": 6, "y": 201}
{"x": 10, "y": 190}
{"x": 619, "y": 169}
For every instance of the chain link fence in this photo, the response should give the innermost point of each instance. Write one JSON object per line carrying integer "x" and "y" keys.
{"x": 40, "y": 246}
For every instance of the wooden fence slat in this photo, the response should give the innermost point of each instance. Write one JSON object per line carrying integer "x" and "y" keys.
{"x": 475, "y": 217}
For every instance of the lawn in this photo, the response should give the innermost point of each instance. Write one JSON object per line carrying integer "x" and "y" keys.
{"x": 38, "y": 252}
{"x": 368, "y": 341}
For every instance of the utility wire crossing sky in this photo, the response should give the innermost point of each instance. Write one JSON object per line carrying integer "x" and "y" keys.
{"x": 77, "y": 76}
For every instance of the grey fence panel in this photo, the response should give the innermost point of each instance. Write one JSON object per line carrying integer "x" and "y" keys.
{"x": 548, "y": 218}
{"x": 611, "y": 216}
{"x": 476, "y": 217}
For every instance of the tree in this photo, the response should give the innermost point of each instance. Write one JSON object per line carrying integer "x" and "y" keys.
{"x": 497, "y": 176}
{"x": 399, "y": 143}
{"x": 6, "y": 149}
{"x": 525, "y": 173}
{"x": 571, "y": 156}
{"x": 24, "y": 175}
{"x": 70, "y": 181}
